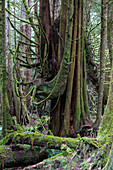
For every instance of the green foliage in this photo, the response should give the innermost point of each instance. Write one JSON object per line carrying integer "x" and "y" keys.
{"x": 66, "y": 148}
{"x": 0, "y": 132}
{"x": 52, "y": 152}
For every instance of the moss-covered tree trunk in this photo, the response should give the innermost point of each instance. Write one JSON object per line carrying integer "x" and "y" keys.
{"x": 105, "y": 133}
{"x": 76, "y": 106}
{"x": 73, "y": 108}
{"x": 3, "y": 66}
{"x": 77, "y": 112}
{"x": 20, "y": 68}
{"x": 66, "y": 123}
{"x": 80, "y": 102}
{"x": 67, "y": 98}
{"x": 57, "y": 105}
{"x": 102, "y": 61}
{"x": 28, "y": 72}
{"x": 110, "y": 31}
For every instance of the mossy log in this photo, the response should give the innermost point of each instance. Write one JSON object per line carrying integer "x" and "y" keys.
{"x": 38, "y": 139}
{"x": 20, "y": 155}
{"x": 24, "y": 148}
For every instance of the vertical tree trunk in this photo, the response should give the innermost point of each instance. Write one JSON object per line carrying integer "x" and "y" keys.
{"x": 53, "y": 11}
{"x": 110, "y": 31}
{"x": 73, "y": 105}
{"x": 58, "y": 108}
{"x": 86, "y": 114}
{"x": 77, "y": 101}
{"x": 67, "y": 110}
{"x": 3, "y": 65}
{"x": 21, "y": 71}
{"x": 102, "y": 61}
{"x": 36, "y": 38}
{"x": 14, "y": 24}
{"x": 10, "y": 89}
{"x": 28, "y": 74}
{"x": 63, "y": 24}
{"x": 46, "y": 24}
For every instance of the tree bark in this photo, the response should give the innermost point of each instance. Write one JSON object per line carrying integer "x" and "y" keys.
{"x": 3, "y": 66}
{"x": 64, "y": 50}
{"x": 66, "y": 124}
{"x": 20, "y": 155}
{"x": 28, "y": 72}
{"x": 110, "y": 32}
{"x": 102, "y": 62}
{"x": 78, "y": 78}
{"x": 45, "y": 43}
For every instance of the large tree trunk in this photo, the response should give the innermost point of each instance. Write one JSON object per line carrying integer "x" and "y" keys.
{"x": 20, "y": 68}
{"x": 76, "y": 104}
{"x": 12, "y": 98}
{"x": 63, "y": 25}
{"x": 57, "y": 105}
{"x": 66, "y": 124}
{"x": 3, "y": 82}
{"x": 105, "y": 133}
{"x": 45, "y": 35}
{"x": 74, "y": 101}
{"x": 110, "y": 31}
{"x": 102, "y": 61}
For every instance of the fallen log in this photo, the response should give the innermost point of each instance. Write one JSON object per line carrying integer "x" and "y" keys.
{"x": 20, "y": 155}
{"x": 38, "y": 139}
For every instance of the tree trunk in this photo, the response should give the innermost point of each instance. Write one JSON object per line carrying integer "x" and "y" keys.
{"x": 21, "y": 69}
{"x": 110, "y": 31}
{"x": 74, "y": 105}
{"x": 77, "y": 83}
{"x": 45, "y": 36}
{"x": 66, "y": 124}
{"x": 3, "y": 65}
{"x": 13, "y": 104}
{"x": 63, "y": 24}
{"x": 28, "y": 72}
{"x": 102, "y": 62}
{"x": 57, "y": 105}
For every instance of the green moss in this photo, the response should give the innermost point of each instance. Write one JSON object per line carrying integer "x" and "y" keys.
{"x": 50, "y": 133}
{"x": 6, "y": 138}
{"x": 91, "y": 141}
{"x": 105, "y": 134}
{"x": 106, "y": 156}
{"x": 19, "y": 128}
{"x": 3, "y": 151}
{"x": 11, "y": 155}
{"x": 33, "y": 138}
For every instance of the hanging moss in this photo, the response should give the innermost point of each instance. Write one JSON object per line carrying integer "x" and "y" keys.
{"x": 105, "y": 133}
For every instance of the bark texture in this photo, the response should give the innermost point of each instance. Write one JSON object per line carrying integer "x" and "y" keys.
{"x": 3, "y": 66}
{"x": 102, "y": 61}
{"x": 20, "y": 155}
